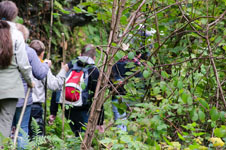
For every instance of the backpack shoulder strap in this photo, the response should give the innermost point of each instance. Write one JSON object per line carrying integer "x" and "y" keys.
{"x": 86, "y": 73}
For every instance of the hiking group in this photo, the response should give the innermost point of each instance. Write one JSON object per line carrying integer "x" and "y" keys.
{"x": 22, "y": 67}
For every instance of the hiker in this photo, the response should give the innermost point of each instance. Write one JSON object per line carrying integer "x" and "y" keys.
{"x": 39, "y": 71}
{"x": 13, "y": 61}
{"x": 118, "y": 74}
{"x": 53, "y": 83}
{"x": 79, "y": 112}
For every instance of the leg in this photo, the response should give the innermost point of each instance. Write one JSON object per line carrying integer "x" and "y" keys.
{"x": 23, "y": 136}
{"x": 78, "y": 118}
{"x": 36, "y": 113}
{"x": 117, "y": 115}
{"x": 7, "y": 110}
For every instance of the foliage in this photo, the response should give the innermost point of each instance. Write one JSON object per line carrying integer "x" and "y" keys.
{"x": 178, "y": 103}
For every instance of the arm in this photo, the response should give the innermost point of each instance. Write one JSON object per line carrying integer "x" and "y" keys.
{"x": 53, "y": 108}
{"x": 39, "y": 69}
{"x": 22, "y": 60}
{"x": 94, "y": 75}
{"x": 54, "y": 104}
{"x": 56, "y": 82}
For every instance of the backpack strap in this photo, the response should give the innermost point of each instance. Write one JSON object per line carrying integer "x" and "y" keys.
{"x": 86, "y": 73}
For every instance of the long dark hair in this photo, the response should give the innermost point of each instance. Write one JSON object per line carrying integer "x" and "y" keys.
{"x": 6, "y": 46}
{"x": 8, "y": 11}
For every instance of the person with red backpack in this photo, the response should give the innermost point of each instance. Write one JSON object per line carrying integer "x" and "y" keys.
{"x": 80, "y": 87}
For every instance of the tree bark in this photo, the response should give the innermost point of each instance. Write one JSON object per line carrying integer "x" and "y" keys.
{"x": 105, "y": 71}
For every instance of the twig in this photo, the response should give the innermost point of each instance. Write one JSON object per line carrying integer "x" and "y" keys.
{"x": 214, "y": 66}
{"x": 51, "y": 30}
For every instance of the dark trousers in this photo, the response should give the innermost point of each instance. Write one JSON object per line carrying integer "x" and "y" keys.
{"x": 79, "y": 119}
{"x": 36, "y": 113}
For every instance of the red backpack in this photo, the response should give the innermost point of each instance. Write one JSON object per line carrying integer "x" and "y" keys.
{"x": 73, "y": 87}
{"x": 76, "y": 91}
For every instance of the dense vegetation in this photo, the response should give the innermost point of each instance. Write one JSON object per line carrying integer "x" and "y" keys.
{"x": 183, "y": 103}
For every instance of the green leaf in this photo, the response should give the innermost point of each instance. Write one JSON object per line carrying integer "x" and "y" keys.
{"x": 201, "y": 116}
{"x": 190, "y": 100}
{"x": 123, "y": 20}
{"x": 77, "y": 10}
{"x": 146, "y": 74}
{"x": 164, "y": 74}
{"x": 119, "y": 55}
{"x": 220, "y": 132}
{"x": 19, "y": 20}
{"x": 83, "y": 86}
{"x": 214, "y": 114}
{"x": 180, "y": 84}
{"x": 195, "y": 116}
{"x": 224, "y": 47}
{"x": 204, "y": 103}
{"x": 184, "y": 97}
{"x": 113, "y": 44}
{"x": 72, "y": 91}
{"x": 131, "y": 55}
{"x": 222, "y": 116}
{"x": 180, "y": 136}
{"x": 90, "y": 10}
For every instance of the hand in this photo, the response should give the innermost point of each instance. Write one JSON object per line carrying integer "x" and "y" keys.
{"x": 64, "y": 66}
{"x": 100, "y": 128}
{"x": 51, "y": 119}
{"x": 32, "y": 85}
{"x": 49, "y": 62}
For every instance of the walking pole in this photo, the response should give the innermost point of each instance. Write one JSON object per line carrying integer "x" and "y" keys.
{"x": 21, "y": 117}
{"x": 48, "y": 57}
{"x": 63, "y": 104}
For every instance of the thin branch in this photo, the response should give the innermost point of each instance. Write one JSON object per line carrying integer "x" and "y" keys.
{"x": 197, "y": 58}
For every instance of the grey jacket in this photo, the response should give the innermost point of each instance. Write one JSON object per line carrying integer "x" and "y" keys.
{"x": 39, "y": 71}
{"x": 11, "y": 85}
{"x": 53, "y": 83}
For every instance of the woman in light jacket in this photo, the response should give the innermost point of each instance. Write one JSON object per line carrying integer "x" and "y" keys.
{"x": 13, "y": 61}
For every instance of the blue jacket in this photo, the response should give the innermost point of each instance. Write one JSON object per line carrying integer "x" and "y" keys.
{"x": 39, "y": 71}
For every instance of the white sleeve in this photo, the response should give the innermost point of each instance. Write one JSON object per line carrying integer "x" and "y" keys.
{"x": 56, "y": 82}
